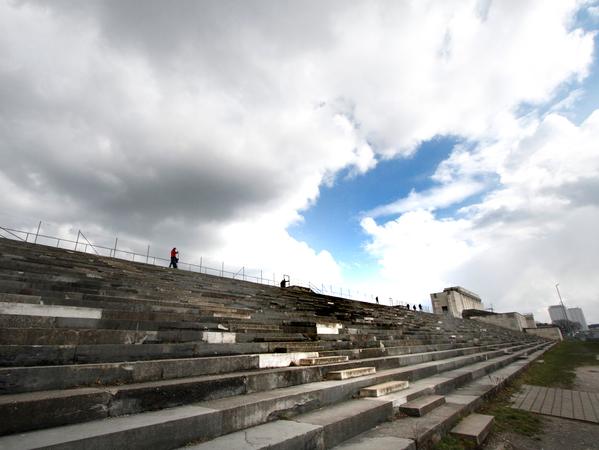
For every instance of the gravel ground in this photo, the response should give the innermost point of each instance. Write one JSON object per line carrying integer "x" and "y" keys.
{"x": 558, "y": 434}
{"x": 587, "y": 379}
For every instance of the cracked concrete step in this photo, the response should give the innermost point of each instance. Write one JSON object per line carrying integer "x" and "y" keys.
{"x": 30, "y": 410}
{"x": 423, "y": 431}
{"x": 363, "y": 442}
{"x": 422, "y": 405}
{"x": 21, "y": 379}
{"x": 473, "y": 428}
{"x": 277, "y": 435}
{"x": 347, "y": 419}
{"x": 384, "y": 388}
{"x": 350, "y": 373}
{"x": 322, "y": 360}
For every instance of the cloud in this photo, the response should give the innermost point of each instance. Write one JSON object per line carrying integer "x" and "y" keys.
{"x": 536, "y": 228}
{"x": 434, "y": 198}
{"x": 207, "y": 123}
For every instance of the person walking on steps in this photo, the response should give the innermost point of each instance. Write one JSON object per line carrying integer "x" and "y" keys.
{"x": 174, "y": 258}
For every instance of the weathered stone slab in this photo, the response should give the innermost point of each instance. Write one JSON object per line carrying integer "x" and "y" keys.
{"x": 474, "y": 428}
{"x": 422, "y": 405}
{"x": 350, "y": 373}
{"x": 384, "y": 388}
{"x": 218, "y": 337}
{"x": 377, "y": 443}
{"x": 322, "y": 360}
{"x": 269, "y": 360}
{"x": 28, "y": 309}
{"x": 348, "y": 419}
{"x": 277, "y": 435}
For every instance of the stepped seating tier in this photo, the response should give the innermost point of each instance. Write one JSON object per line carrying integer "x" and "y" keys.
{"x": 104, "y": 353}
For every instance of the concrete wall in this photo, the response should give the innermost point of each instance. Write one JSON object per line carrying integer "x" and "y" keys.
{"x": 530, "y": 321}
{"x": 553, "y": 333}
{"x": 513, "y": 321}
{"x": 454, "y": 300}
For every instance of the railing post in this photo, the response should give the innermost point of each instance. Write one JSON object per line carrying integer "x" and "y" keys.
{"x": 58, "y": 243}
{"x": 77, "y": 241}
{"x": 222, "y": 269}
{"x": 200, "y": 264}
{"x": 27, "y": 237}
{"x": 116, "y": 240}
{"x": 148, "y": 254}
{"x": 260, "y": 276}
{"x": 243, "y": 272}
{"x": 37, "y": 232}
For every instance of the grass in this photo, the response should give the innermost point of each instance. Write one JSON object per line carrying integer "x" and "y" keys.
{"x": 556, "y": 370}
{"x": 560, "y": 363}
{"x": 453, "y": 443}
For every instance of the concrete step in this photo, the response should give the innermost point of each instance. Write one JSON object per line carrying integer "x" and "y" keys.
{"x": 347, "y": 419}
{"x": 322, "y": 360}
{"x": 204, "y": 421}
{"x": 36, "y": 410}
{"x": 474, "y": 428}
{"x": 350, "y": 373}
{"x": 277, "y": 435}
{"x": 384, "y": 388}
{"x": 423, "y": 432}
{"x": 422, "y": 405}
{"x": 367, "y": 442}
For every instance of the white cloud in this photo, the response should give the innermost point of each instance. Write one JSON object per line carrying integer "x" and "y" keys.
{"x": 214, "y": 124}
{"x": 538, "y": 227}
{"x": 434, "y": 198}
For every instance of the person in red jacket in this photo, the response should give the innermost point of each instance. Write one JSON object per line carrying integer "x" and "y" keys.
{"x": 174, "y": 258}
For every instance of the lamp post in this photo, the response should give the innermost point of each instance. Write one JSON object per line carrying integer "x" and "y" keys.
{"x": 566, "y": 323}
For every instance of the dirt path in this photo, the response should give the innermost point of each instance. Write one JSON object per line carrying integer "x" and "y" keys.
{"x": 587, "y": 379}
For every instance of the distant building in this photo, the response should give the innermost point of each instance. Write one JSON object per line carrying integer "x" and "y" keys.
{"x": 454, "y": 300}
{"x": 576, "y": 315}
{"x": 556, "y": 312}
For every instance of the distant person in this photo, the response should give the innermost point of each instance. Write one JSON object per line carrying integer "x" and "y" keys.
{"x": 377, "y": 299}
{"x": 414, "y": 307}
{"x": 419, "y": 306}
{"x": 408, "y": 306}
{"x": 283, "y": 283}
{"x": 174, "y": 258}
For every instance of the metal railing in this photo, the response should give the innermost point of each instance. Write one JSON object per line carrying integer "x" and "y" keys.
{"x": 244, "y": 273}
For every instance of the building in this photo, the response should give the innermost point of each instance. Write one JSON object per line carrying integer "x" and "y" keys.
{"x": 576, "y": 315}
{"x": 454, "y": 300}
{"x": 556, "y": 312}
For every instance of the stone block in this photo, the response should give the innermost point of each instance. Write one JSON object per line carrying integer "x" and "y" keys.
{"x": 350, "y": 373}
{"x": 269, "y": 360}
{"x": 474, "y": 428}
{"x": 422, "y": 405}
{"x": 322, "y": 360}
{"x": 28, "y": 309}
{"x": 384, "y": 388}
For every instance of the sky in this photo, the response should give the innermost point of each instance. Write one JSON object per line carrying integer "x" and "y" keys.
{"x": 389, "y": 148}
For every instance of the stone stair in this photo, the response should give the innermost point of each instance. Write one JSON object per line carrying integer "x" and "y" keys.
{"x": 103, "y": 353}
